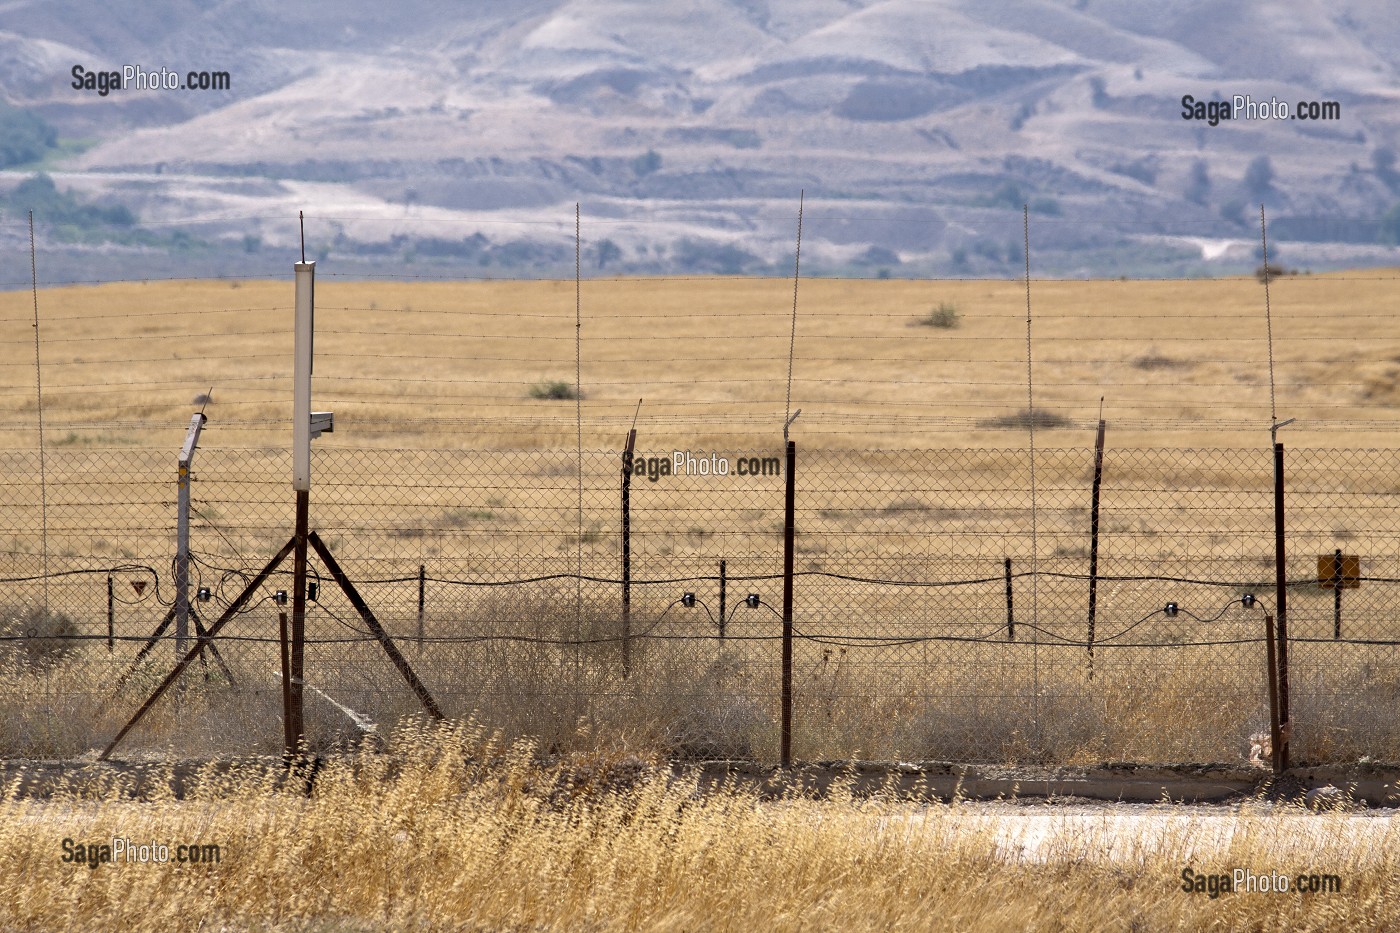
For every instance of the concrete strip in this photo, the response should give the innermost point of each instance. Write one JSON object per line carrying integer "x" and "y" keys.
{"x": 1376, "y": 785}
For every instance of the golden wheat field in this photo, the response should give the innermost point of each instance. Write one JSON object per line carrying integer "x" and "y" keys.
{"x": 455, "y": 450}
{"x": 451, "y": 364}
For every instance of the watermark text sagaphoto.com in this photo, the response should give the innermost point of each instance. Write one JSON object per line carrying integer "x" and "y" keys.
{"x": 1245, "y": 107}
{"x": 686, "y": 463}
{"x": 121, "y": 851}
{"x": 1247, "y": 881}
{"x": 134, "y": 77}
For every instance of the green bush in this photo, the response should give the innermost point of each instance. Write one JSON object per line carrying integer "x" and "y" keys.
{"x": 554, "y": 390}
{"x": 24, "y": 137}
{"x": 944, "y": 317}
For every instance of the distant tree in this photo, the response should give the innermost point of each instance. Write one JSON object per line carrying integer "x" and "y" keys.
{"x": 608, "y": 251}
{"x": 24, "y": 137}
{"x": 1383, "y": 161}
{"x": 1143, "y": 170}
{"x": 987, "y": 250}
{"x": 708, "y": 256}
{"x": 1008, "y": 194}
{"x": 1390, "y": 226}
{"x": 1233, "y": 211}
{"x": 1259, "y": 176}
{"x": 647, "y": 163}
{"x": 1098, "y": 89}
{"x": 1198, "y": 186}
{"x": 39, "y": 194}
{"x": 1023, "y": 113}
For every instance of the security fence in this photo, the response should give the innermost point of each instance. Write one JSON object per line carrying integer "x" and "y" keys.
{"x": 976, "y": 605}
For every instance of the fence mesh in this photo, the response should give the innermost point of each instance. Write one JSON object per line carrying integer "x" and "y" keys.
{"x": 941, "y": 601}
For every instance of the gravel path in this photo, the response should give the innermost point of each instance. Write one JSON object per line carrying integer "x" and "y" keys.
{"x": 1128, "y": 832}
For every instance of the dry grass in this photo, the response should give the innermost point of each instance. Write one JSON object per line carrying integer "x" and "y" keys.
{"x": 454, "y": 830}
{"x": 691, "y": 697}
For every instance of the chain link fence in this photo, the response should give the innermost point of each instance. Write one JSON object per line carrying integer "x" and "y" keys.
{"x": 945, "y": 603}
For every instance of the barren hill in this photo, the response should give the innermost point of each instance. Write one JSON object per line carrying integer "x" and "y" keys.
{"x": 465, "y": 134}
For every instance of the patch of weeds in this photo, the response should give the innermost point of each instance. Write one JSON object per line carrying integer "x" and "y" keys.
{"x": 1040, "y": 418}
{"x": 36, "y": 637}
{"x": 943, "y": 317}
{"x": 554, "y": 390}
{"x": 1272, "y": 271}
{"x": 1153, "y": 360}
{"x": 74, "y": 439}
{"x": 591, "y": 535}
{"x": 456, "y": 518}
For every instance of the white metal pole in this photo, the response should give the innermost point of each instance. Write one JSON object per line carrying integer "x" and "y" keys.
{"x": 301, "y": 381}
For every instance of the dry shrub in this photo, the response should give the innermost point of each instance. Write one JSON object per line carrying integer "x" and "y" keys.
{"x": 454, "y": 828}
{"x": 1025, "y": 419}
{"x": 35, "y": 636}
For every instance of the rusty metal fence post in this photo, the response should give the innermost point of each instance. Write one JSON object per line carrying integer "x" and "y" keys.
{"x": 297, "y": 651}
{"x": 111, "y": 615}
{"x": 627, "y": 455}
{"x": 422, "y": 600}
{"x": 1094, "y": 542}
{"x": 289, "y": 737}
{"x": 1281, "y": 597}
{"x": 722, "y": 581}
{"x": 789, "y": 539}
{"x": 1010, "y": 605}
{"x": 1275, "y": 733}
{"x": 1337, "y": 595}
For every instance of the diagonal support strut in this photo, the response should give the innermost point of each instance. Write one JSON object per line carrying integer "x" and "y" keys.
{"x": 198, "y": 649}
{"x": 390, "y": 648}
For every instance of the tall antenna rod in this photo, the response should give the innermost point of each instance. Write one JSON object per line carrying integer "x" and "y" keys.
{"x": 1030, "y": 419}
{"x": 1269, "y": 325}
{"x": 301, "y": 222}
{"x": 39, "y": 391}
{"x": 788, "y": 416}
{"x": 578, "y": 405}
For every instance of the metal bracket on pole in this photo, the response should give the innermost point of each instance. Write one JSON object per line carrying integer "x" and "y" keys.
{"x": 322, "y": 422}
{"x": 788, "y": 424}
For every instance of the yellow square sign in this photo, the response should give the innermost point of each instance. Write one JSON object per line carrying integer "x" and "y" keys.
{"x": 1327, "y": 571}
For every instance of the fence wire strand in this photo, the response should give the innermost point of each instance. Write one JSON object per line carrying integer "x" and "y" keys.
{"x": 905, "y": 644}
